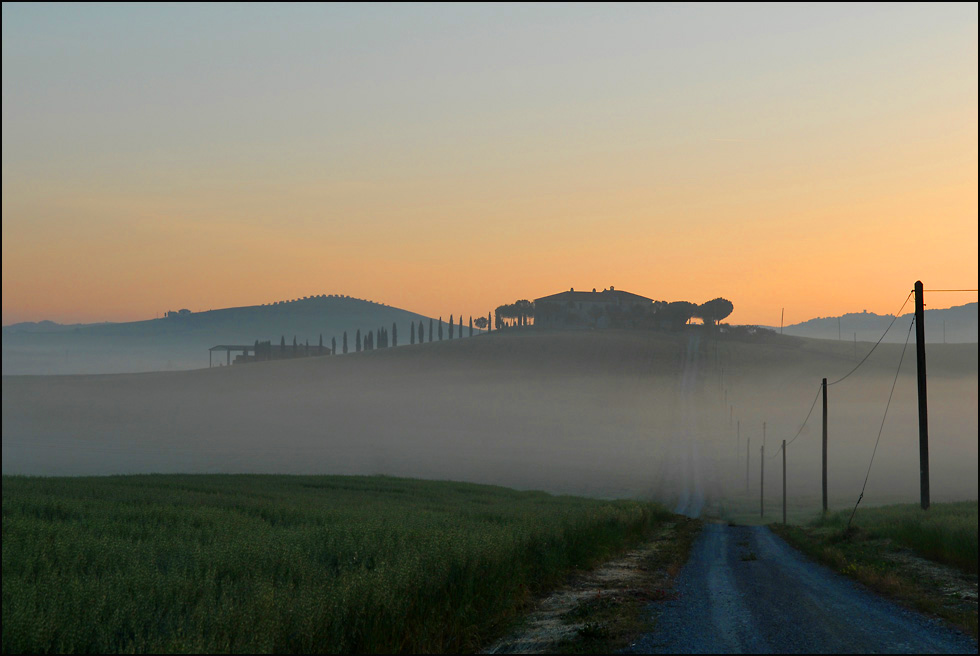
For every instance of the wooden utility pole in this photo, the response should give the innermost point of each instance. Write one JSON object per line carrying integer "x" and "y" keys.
{"x": 748, "y": 459}
{"x": 824, "y": 385}
{"x": 784, "y": 482}
{"x": 738, "y": 440}
{"x": 762, "y": 480}
{"x": 782, "y": 313}
{"x": 920, "y": 359}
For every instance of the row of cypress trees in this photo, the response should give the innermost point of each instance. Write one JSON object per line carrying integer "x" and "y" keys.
{"x": 455, "y": 330}
{"x": 382, "y": 338}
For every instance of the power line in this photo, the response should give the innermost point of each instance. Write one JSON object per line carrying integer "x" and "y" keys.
{"x": 882, "y": 427}
{"x": 802, "y": 426}
{"x": 897, "y": 315}
{"x": 951, "y": 290}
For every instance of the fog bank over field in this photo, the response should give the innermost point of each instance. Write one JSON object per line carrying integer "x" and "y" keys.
{"x": 604, "y": 413}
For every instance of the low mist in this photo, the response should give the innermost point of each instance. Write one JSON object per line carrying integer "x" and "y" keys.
{"x": 601, "y": 413}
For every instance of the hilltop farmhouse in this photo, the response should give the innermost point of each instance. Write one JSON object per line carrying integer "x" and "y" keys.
{"x": 610, "y": 307}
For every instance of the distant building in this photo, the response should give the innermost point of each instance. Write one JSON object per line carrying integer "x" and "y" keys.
{"x": 178, "y": 313}
{"x": 610, "y": 307}
{"x": 261, "y": 351}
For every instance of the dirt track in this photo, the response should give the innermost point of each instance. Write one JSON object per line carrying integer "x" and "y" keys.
{"x": 744, "y": 590}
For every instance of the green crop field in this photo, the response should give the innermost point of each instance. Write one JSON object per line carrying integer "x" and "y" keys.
{"x": 287, "y": 563}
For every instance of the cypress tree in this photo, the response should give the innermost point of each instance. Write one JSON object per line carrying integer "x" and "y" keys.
{"x": 430, "y": 330}
{"x": 333, "y": 346}
{"x": 421, "y": 333}
{"x": 412, "y": 336}
{"x": 282, "y": 342}
{"x": 450, "y": 326}
{"x": 440, "y": 329}
{"x": 489, "y": 321}
{"x": 345, "y": 342}
{"x": 471, "y": 325}
{"x": 357, "y": 343}
{"x": 320, "y": 348}
{"x": 394, "y": 334}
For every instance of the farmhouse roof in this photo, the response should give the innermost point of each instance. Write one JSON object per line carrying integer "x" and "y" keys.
{"x": 605, "y": 296}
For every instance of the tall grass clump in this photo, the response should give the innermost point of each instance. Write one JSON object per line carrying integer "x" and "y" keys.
{"x": 946, "y": 533}
{"x": 286, "y": 563}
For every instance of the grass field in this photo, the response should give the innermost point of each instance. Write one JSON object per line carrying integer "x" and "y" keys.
{"x": 946, "y": 533}
{"x": 874, "y": 552}
{"x": 287, "y": 563}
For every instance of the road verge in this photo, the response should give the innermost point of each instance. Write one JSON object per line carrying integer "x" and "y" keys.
{"x": 891, "y": 570}
{"x": 603, "y": 610}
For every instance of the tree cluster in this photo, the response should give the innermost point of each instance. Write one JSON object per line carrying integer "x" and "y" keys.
{"x": 678, "y": 313}
{"x": 514, "y": 314}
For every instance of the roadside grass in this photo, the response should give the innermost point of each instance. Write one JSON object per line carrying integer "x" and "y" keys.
{"x": 946, "y": 533}
{"x": 610, "y": 624}
{"x": 876, "y": 552}
{"x": 203, "y": 563}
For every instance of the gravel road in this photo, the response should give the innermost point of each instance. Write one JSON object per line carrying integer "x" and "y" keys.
{"x": 744, "y": 590}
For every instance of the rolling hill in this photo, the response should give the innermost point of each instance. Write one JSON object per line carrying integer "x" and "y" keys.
{"x": 955, "y": 325}
{"x": 181, "y": 342}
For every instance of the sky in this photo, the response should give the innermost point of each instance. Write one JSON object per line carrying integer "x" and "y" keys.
{"x": 808, "y": 157}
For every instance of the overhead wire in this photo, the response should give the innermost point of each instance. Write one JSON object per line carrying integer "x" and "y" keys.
{"x": 865, "y": 358}
{"x": 803, "y": 425}
{"x": 814, "y": 404}
{"x": 882, "y": 427}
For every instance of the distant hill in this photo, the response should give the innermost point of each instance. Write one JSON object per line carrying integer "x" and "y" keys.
{"x": 181, "y": 341}
{"x": 960, "y": 326}
{"x": 45, "y": 327}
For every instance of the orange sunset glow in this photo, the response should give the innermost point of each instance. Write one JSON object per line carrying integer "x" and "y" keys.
{"x": 490, "y": 328}
{"x": 460, "y": 161}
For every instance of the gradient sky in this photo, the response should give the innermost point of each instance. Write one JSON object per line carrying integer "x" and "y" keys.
{"x": 447, "y": 158}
